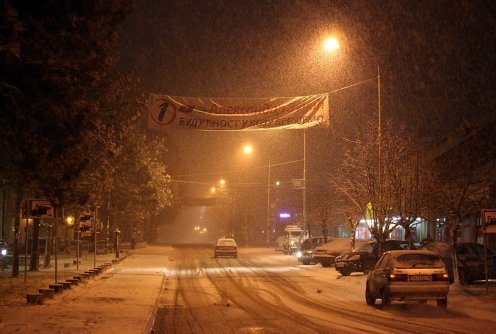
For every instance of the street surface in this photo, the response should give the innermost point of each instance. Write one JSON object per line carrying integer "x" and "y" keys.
{"x": 187, "y": 290}
{"x": 264, "y": 291}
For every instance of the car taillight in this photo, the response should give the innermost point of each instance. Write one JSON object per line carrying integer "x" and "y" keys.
{"x": 440, "y": 277}
{"x": 397, "y": 277}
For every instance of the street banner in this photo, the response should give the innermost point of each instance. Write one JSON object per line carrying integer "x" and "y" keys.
{"x": 237, "y": 114}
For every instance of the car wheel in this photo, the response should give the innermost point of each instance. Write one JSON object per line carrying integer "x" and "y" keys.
{"x": 386, "y": 300}
{"x": 325, "y": 264}
{"x": 443, "y": 303}
{"x": 306, "y": 263}
{"x": 345, "y": 272}
{"x": 368, "y": 296}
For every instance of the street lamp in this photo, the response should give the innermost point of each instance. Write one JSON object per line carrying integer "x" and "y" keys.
{"x": 248, "y": 149}
{"x": 69, "y": 220}
{"x": 331, "y": 44}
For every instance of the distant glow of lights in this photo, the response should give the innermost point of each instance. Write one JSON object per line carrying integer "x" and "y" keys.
{"x": 222, "y": 182}
{"x": 213, "y": 189}
{"x": 278, "y": 183}
{"x": 331, "y": 44}
{"x": 284, "y": 215}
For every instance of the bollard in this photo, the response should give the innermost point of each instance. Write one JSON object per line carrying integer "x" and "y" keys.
{"x": 117, "y": 233}
{"x": 34, "y": 298}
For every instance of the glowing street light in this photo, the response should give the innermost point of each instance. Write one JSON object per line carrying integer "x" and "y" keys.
{"x": 248, "y": 149}
{"x": 330, "y": 44}
{"x": 69, "y": 220}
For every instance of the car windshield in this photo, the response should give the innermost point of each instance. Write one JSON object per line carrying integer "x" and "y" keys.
{"x": 226, "y": 242}
{"x": 364, "y": 247}
{"x": 418, "y": 260}
{"x": 311, "y": 243}
{"x": 306, "y": 245}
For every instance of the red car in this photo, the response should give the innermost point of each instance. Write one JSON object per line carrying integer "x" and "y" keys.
{"x": 226, "y": 247}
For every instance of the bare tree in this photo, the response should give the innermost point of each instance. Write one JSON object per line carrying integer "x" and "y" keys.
{"x": 321, "y": 213}
{"x": 364, "y": 186}
{"x": 458, "y": 190}
{"x": 406, "y": 180}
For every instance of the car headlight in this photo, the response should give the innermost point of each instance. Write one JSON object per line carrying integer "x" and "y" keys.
{"x": 298, "y": 254}
{"x": 354, "y": 257}
{"x": 4, "y": 252}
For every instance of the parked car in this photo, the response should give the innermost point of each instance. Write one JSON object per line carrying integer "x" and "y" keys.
{"x": 327, "y": 253}
{"x": 305, "y": 251}
{"x": 404, "y": 275}
{"x": 226, "y": 247}
{"x": 4, "y": 248}
{"x": 470, "y": 258}
{"x": 4, "y": 257}
{"x": 363, "y": 257}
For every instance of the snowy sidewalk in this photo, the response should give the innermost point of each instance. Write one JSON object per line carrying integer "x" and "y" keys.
{"x": 117, "y": 301}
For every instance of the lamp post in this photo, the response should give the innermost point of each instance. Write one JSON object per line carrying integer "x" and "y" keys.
{"x": 331, "y": 44}
{"x": 69, "y": 223}
{"x": 305, "y": 181}
{"x": 248, "y": 149}
{"x": 223, "y": 194}
{"x": 268, "y": 206}
{"x": 379, "y": 130}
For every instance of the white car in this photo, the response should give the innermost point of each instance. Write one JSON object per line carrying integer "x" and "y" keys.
{"x": 327, "y": 253}
{"x": 403, "y": 275}
{"x": 226, "y": 247}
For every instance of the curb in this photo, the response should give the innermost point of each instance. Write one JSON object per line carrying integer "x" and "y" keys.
{"x": 54, "y": 289}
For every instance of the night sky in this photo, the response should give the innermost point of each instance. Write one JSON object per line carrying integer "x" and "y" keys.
{"x": 436, "y": 61}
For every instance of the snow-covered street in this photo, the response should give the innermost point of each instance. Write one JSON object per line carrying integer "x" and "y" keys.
{"x": 264, "y": 291}
{"x": 187, "y": 290}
